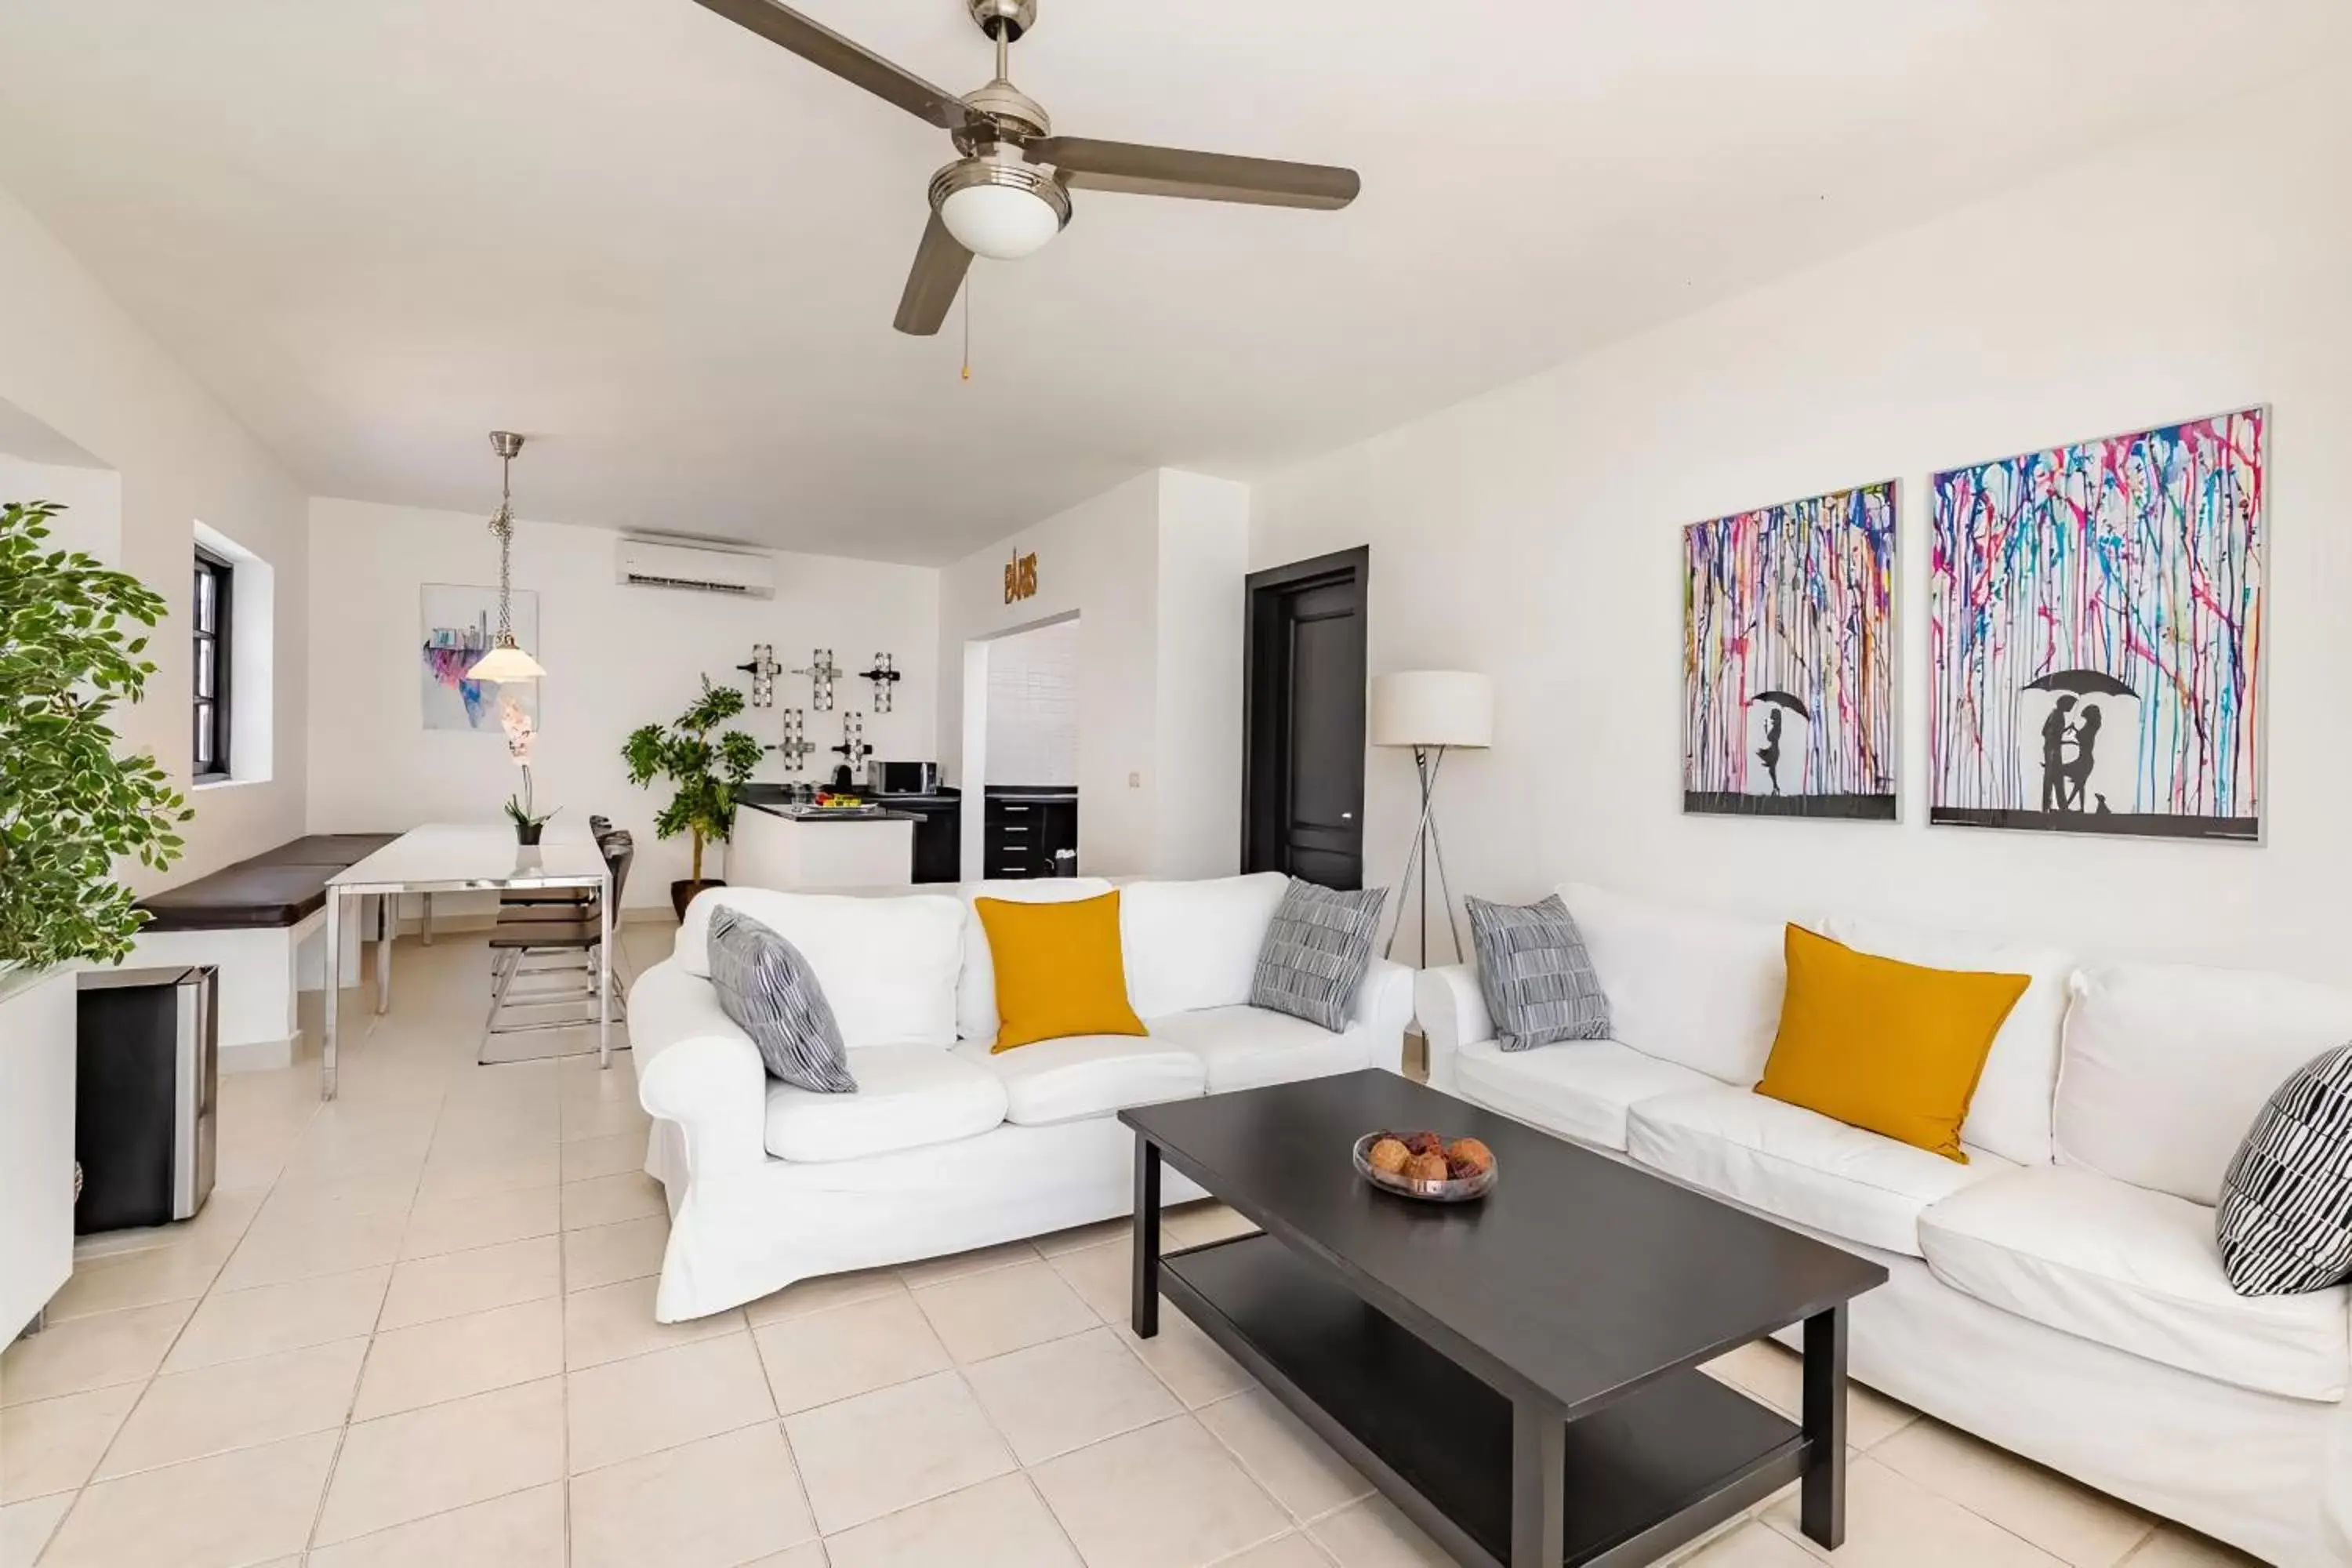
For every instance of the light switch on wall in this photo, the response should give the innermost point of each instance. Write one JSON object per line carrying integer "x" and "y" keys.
{"x": 1134, "y": 781}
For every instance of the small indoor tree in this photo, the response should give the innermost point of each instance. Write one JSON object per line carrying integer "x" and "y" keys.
{"x": 707, "y": 770}
{"x": 70, "y": 806}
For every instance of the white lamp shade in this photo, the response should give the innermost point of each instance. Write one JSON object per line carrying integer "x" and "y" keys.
{"x": 1002, "y": 223}
{"x": 1433, "y": 708}
{"x": 506, "y": 662}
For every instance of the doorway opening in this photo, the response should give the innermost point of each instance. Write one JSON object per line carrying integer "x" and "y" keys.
{"x": 1021, "y": 717}
{"x": 1303, "y": 719}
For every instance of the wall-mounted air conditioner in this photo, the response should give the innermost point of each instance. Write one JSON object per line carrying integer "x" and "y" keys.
{"x": 655, "y": 563}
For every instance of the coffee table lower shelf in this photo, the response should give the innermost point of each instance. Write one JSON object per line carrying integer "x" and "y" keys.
{"x": 1644, "y": 1475}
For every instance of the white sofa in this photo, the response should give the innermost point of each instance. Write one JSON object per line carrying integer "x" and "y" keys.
{"x": 2059, "y": 1295}
{"x": 946, "y": 1147}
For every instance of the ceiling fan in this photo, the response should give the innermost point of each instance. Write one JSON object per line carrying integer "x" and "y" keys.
{"x": 1009, "y": 191}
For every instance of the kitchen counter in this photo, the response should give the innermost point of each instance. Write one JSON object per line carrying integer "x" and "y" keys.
{"x": 771, "y": 849}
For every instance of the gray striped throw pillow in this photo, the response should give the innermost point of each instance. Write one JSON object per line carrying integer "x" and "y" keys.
{"x": 767, "y": 988}
{"x": 2285, "y": 1224}
{"x": 1316, "y": 953}
{"x": 1539, "y": 981}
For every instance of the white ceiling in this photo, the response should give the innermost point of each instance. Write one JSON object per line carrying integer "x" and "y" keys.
{"x": 670, "y": 251}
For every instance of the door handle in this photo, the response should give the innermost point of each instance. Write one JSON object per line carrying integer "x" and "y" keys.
{"x": 1347, "y": 816}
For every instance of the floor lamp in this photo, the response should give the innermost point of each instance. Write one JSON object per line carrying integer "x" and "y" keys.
{"x": 1433, "y": 711}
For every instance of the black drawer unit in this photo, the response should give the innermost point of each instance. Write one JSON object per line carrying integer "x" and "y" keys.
{"x": 1030, "y": 832}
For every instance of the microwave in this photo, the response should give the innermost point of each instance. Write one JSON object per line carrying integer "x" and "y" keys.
{"x": 901, "y": 778}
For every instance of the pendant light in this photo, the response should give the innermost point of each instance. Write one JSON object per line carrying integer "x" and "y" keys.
{"x": 506, "y": 660}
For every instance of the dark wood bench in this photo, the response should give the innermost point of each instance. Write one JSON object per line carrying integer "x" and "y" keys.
{"x": 279, "y": 886}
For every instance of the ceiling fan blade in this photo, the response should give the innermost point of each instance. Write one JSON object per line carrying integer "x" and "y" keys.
{"x": 1129, "y": 166}
{"x": 940, "y": 266}
{"x": 821, "y": 46}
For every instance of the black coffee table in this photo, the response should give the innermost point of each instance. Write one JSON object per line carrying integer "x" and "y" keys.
{"x": 1519, "y": 1374}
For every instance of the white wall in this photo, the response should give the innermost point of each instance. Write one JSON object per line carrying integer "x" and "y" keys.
{"x": 72, "y": 359}
{"x": 616, "y": 657}
{"x": 1032, "y": 706}
{"x": 92, "y": 497}
{"x": 1533, "y": 533}
{"x": 1153, "y": 571}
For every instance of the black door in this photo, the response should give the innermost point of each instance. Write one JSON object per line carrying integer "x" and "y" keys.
{"x": 1302, "y": 748}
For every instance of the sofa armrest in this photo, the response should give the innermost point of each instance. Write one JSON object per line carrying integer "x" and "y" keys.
{"x": 1453, "y": 1013}
{"x": 696, "y": 1069}
{"x": 1384, "y": 1005}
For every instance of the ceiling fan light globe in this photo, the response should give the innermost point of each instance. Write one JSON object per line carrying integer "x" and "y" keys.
{"x": 1003, "y": 222}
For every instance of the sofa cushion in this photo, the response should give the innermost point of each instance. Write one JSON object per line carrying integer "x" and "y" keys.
{"x": 975, "y": 999}
{"x": 1534, "y": 974}
{"x": 1698, "y": 989}
{"x": 1318, "y": 948}
{"x": 2137, "y": 1270}
{"x": 1195, "y": 944}
{"x": 2168, "y": 1065}
{"x": 1786, "y": 1161}
{"x": 2285, "y": 1219}
{"x": 908, "y": 1096}
{"x": 888, "y": 965}
{"x": 2010, "y": 1113}
{"x": 769, "y": 992}
{"x": 1582, "y": 1090}
{"x": 1087, "y": 1075}
{"x": 1059, "y": 971}
{"x": 1249, "y": 1048}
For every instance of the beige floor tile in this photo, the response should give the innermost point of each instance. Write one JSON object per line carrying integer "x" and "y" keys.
{"x": 823, "y": 1293}
{"x": 606, "y": 1254}
{"x": 470, "y": 1175}
{"x": 1198, "y": 1225}
{"x": 423, "y": 1462}
{"x": 956, "y": 1265}
{"x": 1754, "y": 1544}
{"x": 1051, "y": 1398}
{"x": 604, "y": 1119}
{"x": 2173, "y": 1546}
{"x": 521, "y": 1529}
{"x": 53, "y": 1444}
{"x": 134, "y": 1280}
{"x": 1373, "y": 1534}
{"x": 711, "y": 1503}
{"x": 1892, "y": 1522}
{"x": 1165, "y": 1497}
{"x": 661, "y": 1399}
{"x": 983, "y": 1315}
{"x": 461, "y": 1225}
{"x": 609, "y": 1200}
{"x": 301, "y": 1198}
{"x": 451, "y": 1284}
{"x": 848, "y": 1351}
{"x": 450, "y": 1358}
{"x": 584, "y": 1159}
{"x": 611, "y": 1322}
{"x": 219, "y": 1513}
{"x": 25, "y": 1527}
{"x": 1289, "y": 1462}
{"x": 2065, "y": 1519}
{"x": 1282, "y": 1551}
{"x": 1079, "y": 1237}
{"x": 275, "y": 1252}
{"x": 215, "y": 1231}
{"x": 1001, "y": 1523}
{"x": 1776, "y": 1374}
{"x": 90, "y": 1352}
{"x": 1188, "y": 1361}
{"x": 233, "y": 1324}
{"x": 237, "y": 1404}
{"x": 807, "y": 1554}
{"x": 861, "y": 1458}
{"x": 1103, "y": 1276}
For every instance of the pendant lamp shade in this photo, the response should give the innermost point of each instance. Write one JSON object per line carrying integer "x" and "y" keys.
{"x": 505, "y": 661}
{"x": 1433, "y": 708}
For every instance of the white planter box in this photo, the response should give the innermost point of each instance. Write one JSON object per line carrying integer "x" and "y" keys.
{"x": 37, "y": 1141}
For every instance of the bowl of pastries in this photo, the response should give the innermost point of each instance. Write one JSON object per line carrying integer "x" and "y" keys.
{"x": 1427, "y": 1165}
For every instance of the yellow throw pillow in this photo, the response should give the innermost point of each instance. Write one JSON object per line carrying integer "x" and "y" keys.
{"x": 1059, "y": 970}
{"x": 1890, "y": 1048}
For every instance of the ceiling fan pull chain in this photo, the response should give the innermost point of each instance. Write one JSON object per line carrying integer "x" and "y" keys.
{"x": 967, "y": 326}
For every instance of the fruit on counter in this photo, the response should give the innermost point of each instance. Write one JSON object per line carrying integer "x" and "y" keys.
{"x": 1387, "y": 1155}
{"x": 1427, "y": 1168}
{"x": 1471, "y": 1153}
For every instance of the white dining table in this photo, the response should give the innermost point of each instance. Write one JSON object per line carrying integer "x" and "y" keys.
{"x": 464, "y": 858}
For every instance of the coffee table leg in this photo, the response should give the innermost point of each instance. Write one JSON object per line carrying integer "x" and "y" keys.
{"x": 1538, "y": 1484}
{"x": 1144, "y": 1315}
{"x": 1822, "y": 1499}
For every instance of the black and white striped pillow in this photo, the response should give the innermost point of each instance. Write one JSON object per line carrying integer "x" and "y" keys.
{"x": 1538, "y": 978}
{"x": 1316, "y": 953}
{"x": 2286, "y": 1221}
{"x": 768, "y": 990}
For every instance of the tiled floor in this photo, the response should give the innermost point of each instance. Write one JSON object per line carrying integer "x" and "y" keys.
{"x": 414, "y": 1327}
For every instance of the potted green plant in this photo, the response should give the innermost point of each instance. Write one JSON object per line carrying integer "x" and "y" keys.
{"x": 70, "y": 806}
{"x": 707, "y": 769}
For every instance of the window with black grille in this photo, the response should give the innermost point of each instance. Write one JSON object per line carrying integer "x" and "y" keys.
{"x": 216, "y": 595}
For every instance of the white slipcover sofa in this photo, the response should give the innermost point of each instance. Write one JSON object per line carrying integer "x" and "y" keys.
{"x": 946, "y": 1147}
{"x": 2061, "y": 1294}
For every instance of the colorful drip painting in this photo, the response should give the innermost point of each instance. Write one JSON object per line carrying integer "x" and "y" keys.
{"x": 459, "y": 623}
{"x": 2096, "y": 641}
{"x": 1788, "y": 659}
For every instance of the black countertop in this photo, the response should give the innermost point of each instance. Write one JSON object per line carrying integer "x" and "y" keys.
{"x": 783, "y": 810}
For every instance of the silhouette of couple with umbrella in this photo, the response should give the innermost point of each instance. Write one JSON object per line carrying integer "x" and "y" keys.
{"x": 2070, "y": 738}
